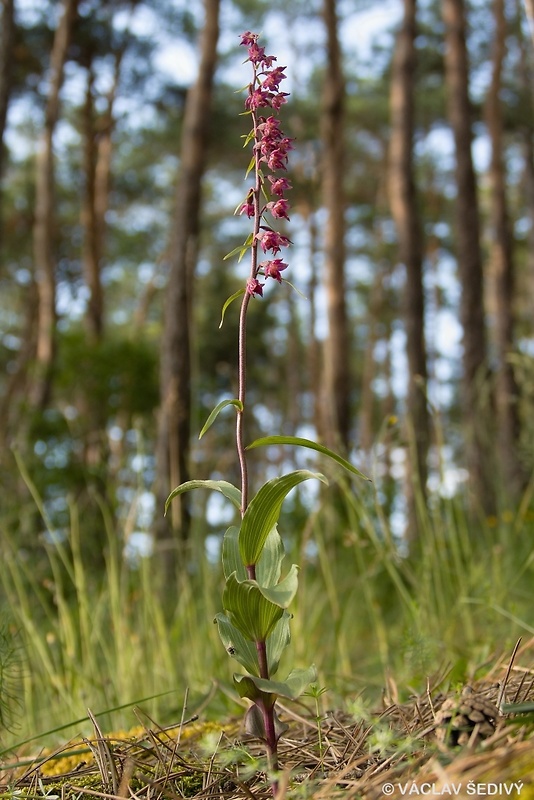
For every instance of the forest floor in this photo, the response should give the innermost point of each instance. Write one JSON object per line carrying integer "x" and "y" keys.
{"x": 477, "y": 741}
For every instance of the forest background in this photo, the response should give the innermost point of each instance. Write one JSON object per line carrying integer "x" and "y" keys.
{"x": 409, "y": 343}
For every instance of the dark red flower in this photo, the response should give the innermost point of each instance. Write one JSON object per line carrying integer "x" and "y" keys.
{"x": 278, "y": 208}
{"x": 257, "y": 99}
{"x": 272, "y": 240}
{"x": 279, "y": 185}
{"x": 273, "y": 79}
{"x": 268, "y": 61}
{"x": 278, "y": 100}
{"x": 254, "y": 287}
{"x": 248, "y": 209}
{"x": 249, "y": 38}
{"x": 256, "y": 54}
{"x": 272, "y": 269}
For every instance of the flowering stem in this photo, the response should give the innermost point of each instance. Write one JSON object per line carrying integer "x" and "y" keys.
{"x": 242, "y": 353}
{"x": 270, "y": 148}
{"x": 242, "y": 376}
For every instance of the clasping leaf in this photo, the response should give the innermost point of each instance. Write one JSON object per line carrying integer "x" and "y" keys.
{"x": 264, "y": 510}
{"x": 227, "y": 489}
{"x": 311, "y": 445}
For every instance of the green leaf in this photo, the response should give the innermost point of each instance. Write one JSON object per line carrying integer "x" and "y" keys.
{"x": 269, "y": 566}
{"x": 241, "y": 249}
{"x": 236, "y": 645}
{"x": 252, "y": 164}
{"x": 296, "y": 440}
{"x": 244, "y": 651}
{"x": 296, "y": 682}
{"x": 255, "y": 724}
{"x": 249, "y": 610}
{"x": 216, "y": 411}
{"x": 246, "y": 687}
{"x": 518, "y": 708}
{"x": 228, "y": 302}
{"x": 227, "y": 489}
{"x": 277, "y": 642}
{"x": 264, "y": 510}
{"x": 285, "y": 280}
{"x": 283, "y": 593}
{"x": 248, "y": 137}
{"x": 231, "y": 560}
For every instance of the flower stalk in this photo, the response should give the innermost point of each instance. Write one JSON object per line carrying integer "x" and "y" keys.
{"x": 270, "y": 147}
{"x": 254, "y": 625}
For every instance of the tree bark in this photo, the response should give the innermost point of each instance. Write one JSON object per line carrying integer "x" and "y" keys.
{"x": 336, "y": 398}
{"x": 7, "y": 36}
{"x": 43, "y": 231}
{"x": 174, "y": 423}
{"x": 91, "y": 222}
{"x": 525, "y": 289}
{"x": 98, "y": 147}
{"x": 476, "y": 423}
{"x": 529, "y": 9}
{"x": 506, "y": 389}
{"x": 403, "y": 202}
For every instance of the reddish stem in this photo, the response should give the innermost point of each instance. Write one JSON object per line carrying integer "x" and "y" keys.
{"x": 242, "y": 352}
{"x": 267, "y": 710}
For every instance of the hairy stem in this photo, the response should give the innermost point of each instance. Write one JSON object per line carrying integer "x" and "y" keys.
{"x": 267, "y": 709}
{"x": 242, "y": 375}
{"x": 242, "y": 353}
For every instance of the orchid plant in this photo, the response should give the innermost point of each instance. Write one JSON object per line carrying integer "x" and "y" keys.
{"x": 254, "y": 625}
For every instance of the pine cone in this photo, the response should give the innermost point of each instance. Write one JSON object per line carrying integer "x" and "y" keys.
{"x": 458, "y": 717}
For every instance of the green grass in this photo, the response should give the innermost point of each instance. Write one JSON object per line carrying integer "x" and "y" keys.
{"x": 363, "y": 613}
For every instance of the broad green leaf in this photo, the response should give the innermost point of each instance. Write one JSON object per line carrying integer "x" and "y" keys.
{"x": 277, "y": 642}
{"x": 246, "y": 687}
{"x": 216, "y": 411}
{"x": 244, "y": 651}
{"x": 296, "y": 682}
{"x": 236, "y": 645}
{"x": 269, "y": 566}
{"x": 227, "y": 489}
{"x": 231, "y": 560}
{"x": 264, "y": 510}
{"x": 249, "y": 610}
{"x": 311, "y": 445}
{"x": 228, "y": 302}
{"x": 283, "y": 593}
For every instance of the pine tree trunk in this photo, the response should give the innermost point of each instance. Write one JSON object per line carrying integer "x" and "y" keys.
{"x": 525, "y": 289}
{"x": 44, "y": 224}
{"x": 98, "y": 147}
{"x": 368, "y": 402}
{"x": 403, "y": 201}
{"x": 506, "y": 390}
{"x": 475, "y": 417}
{"x": 174, "y": 423}
{"x": 336, "y": 397}
{"x": 92, "y": 245}
{"x": 7, "y": 36}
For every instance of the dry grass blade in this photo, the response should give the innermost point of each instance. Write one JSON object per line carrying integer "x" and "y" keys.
{"x": 103, "y": 757}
